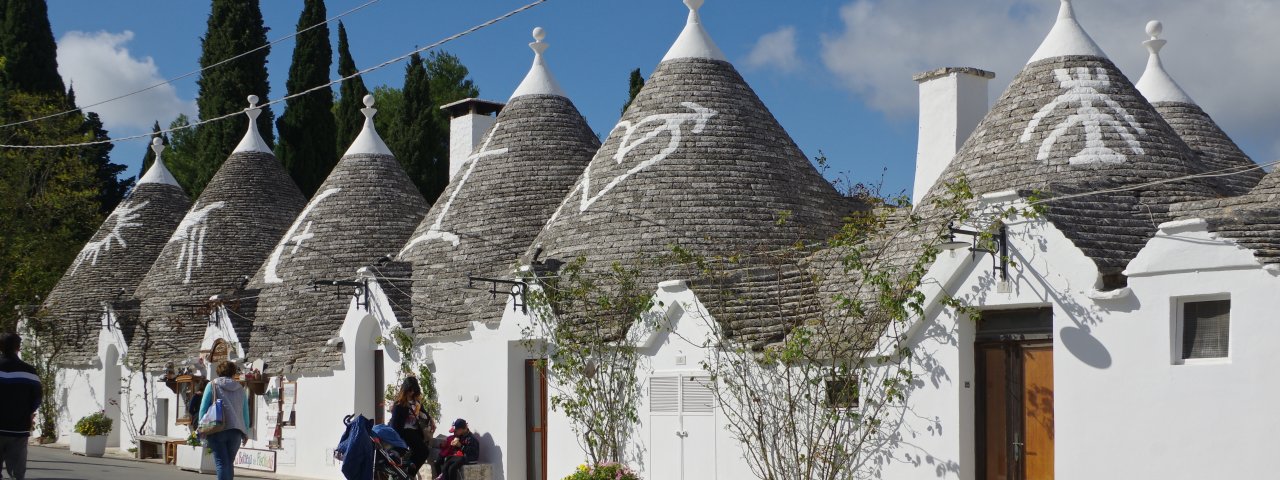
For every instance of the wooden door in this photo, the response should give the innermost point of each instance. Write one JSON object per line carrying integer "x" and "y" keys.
{"x": 1015, "y": 411}
{"x": 535, "y": 414}
{"x": 379, "y": 389}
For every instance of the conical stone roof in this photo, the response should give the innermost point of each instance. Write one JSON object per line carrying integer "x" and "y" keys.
{"x": 696, "y": 161}
{"x": 1252, "y": 219}
{"x": 496, "y": 203}
{"x": 109, "y": 268}
{"x": 365, "y": 209}
{"x": 1216, "y": 150}
{"x": 219, "y": 244}
{"x": 1070, "y": 125}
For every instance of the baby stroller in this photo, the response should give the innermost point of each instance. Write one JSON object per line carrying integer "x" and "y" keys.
{"x": 368, "y": 451}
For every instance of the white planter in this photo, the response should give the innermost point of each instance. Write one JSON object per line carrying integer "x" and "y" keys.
{"x": 194, "y": 459}
{"x": 93, "y": 446}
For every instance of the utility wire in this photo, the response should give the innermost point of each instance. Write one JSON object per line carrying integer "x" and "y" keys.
{"x": 299, "y": 94}
{"x": 193, "y": 72}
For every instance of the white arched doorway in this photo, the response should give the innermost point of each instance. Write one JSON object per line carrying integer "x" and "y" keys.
{"x": 111, "y": 393}
{"x": 367, "y": 367}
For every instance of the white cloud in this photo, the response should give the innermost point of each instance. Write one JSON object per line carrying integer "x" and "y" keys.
{"x": 775, "y": 50}
{"x": 1217, "y": 50}
{"x": 100, "y": 67}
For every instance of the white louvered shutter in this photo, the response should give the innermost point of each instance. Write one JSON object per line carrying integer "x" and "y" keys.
{"x": 664, "y": 394}
{"x": 697, "y": 395}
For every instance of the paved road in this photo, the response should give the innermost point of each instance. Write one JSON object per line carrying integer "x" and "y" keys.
{"x": 44, "y": 463}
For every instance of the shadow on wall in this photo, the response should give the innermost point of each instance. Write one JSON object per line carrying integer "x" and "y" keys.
{"x": 491, "y": 454}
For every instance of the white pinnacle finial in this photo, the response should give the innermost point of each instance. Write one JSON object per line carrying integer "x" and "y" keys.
{"x": 1067, "y": 38}
{"x": 368, "y": 141}
{"x": 539, "y": 80}
{"x": 1156, "y": 84}
{"x": 252, "y": 141}
{"x": 157, "y": 173}
{"x": 694, "y": 42}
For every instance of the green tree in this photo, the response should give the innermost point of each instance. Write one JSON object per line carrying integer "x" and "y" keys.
{"x": 307, "y": 126}
{"x": 416, "y": 140}
{"x": 389, "y": 101}
{"x": 351, "y": 95}
{"x": 48, "y": 201}
{"x": 449, "y": 83}
{"x": 234, "y": 27}
{"x": 31, "y": 57}
{"x": 113, "y": 188}
{"x": 636, "y": 84}
{"x": 181, "y": 154}
{"x": 150, "y": 157}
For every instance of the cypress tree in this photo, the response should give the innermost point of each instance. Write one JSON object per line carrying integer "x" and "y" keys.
{"x": 307, "y": 127}
{"x": 30, "y": 53}
{"x": 150, "y": 157}
{"x": 636, "y": 83}
{"x": 234, "y": 27}
{"x": 98, "y": 157}
{"x": 417, "y": 143}
{"x": 351, "y": 98}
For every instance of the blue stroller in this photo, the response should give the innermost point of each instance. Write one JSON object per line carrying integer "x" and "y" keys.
{"x": 368, "y": 450}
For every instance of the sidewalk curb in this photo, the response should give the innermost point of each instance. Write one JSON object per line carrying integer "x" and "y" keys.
{"x": 119, "y": 454}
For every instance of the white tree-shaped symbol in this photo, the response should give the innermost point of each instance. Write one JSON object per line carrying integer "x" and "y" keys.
{"x": 1082, "y": 87}
{"x": 191, "y": 233}
{"x": 124, "y": 217}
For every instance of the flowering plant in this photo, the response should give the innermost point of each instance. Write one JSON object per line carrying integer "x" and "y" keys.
{"x": 193, "y": 439}
{"x": 603, "y": 471}
{"x": 93, "y": 425}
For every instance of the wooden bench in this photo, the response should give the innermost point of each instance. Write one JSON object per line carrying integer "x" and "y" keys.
{"x": 156, "y": 446}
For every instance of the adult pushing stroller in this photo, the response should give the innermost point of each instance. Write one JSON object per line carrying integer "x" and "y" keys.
{"x": 370, "y": 451}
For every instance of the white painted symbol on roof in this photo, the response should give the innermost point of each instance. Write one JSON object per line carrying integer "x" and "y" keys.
{"x": 123, "y": 217}
{"x": 665, "y": 122}
{"x": 291, "y": 237}
{"x": 191, "y": 233}
{"x": 434, "y": 233}
{"x": 1082, "y": 89}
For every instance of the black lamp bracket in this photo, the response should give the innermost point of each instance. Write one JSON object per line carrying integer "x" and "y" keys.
{"x": 999, "y": 257}
{"x": 517, "y": 291}
{"x": 340, "y": 286}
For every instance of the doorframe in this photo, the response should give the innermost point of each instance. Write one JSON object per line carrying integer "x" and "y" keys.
{"x": 1013, "y": 330}
{"x": 542, "y": 401}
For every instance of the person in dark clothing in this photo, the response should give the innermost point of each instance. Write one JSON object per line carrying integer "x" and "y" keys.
{"x": 20, "y": 397}
{"x": 413, "y": 424}
{"x": 459, "y": 449}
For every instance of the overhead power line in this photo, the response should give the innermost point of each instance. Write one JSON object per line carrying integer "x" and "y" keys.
{"x": 193, "y": 72}
{"x": 299, "y": 94}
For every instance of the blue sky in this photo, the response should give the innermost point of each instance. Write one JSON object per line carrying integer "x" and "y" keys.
{"x": 836, "y": 73}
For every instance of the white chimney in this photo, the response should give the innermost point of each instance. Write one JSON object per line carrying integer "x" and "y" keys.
{"x": 953, "y": 101}
{"x": 471, "y": 118}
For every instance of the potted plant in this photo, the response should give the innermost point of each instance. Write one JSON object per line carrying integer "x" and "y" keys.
{"x": 255, "y": 382}
{"x": 603, "y": 471}
{"x": 91, "y": 435}
{"x": 193, "y": 456}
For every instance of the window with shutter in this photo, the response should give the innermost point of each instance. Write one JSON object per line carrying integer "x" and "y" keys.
{"x": 1205, "y": 329}
{"x": 697, "y": 395}
{"x": 664, "y": 394}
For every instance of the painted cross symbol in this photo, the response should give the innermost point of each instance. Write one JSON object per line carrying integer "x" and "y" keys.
{"x": 294, "y": 238}
{"x": 434, "y": 232}
{"x": 1082, "y": 89}
{"x": 297, "y": 240}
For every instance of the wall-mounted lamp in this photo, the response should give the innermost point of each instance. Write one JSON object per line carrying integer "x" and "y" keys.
{"x": 999, "y": 257}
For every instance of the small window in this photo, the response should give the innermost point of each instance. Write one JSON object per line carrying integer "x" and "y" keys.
{"x": 1204, "y": 329}
{"x": 842, "y": 392}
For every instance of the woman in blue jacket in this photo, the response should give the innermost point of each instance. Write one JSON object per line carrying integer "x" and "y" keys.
{"x": 235, "y": 415}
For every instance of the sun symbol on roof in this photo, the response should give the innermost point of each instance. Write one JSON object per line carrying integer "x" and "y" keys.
{"x": 1094, "y": 112}
{"x": 123, "y": 217}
